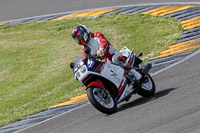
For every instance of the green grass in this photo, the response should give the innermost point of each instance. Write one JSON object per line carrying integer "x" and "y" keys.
{"x": 35, "y": 57}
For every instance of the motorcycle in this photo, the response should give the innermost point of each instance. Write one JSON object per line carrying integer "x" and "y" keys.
{"x": 108, "y": 84}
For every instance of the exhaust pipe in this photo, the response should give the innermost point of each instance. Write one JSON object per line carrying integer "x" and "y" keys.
{"x": 146, "y": 69}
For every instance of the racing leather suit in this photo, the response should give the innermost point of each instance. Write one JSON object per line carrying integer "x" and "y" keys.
{"x": 98, "y": 41}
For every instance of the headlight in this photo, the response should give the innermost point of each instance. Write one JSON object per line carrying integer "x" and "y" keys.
{"x": 78, "y": 74}
{"x": 83, "y": 69}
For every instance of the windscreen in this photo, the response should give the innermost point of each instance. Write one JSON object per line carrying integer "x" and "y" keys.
{"x": 78, "y": 62}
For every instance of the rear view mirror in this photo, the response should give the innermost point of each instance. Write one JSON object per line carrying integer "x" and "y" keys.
{"x": 140, "y": 54}
{"x": 72, "y": 65}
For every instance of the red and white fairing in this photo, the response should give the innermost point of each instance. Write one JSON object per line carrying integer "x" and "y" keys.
{"x": 117, "y": 75}
{"x": 112, "y": 73}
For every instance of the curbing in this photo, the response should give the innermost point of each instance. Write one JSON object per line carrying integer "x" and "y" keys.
{"x": 188, "y": 15}
{"x": 74, "y": 100}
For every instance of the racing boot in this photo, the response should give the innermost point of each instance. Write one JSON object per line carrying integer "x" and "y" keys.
{"x": 133, "y": 72}
{"x": 135, "y": 79}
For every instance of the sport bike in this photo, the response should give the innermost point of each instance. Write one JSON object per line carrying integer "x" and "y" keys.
{"x": 108, "y": 84}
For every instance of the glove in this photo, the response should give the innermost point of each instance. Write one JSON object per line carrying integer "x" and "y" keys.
{"x": 72, "y": 65}
{"x": 99, "y": 53}
{"x": 127, "y": 67}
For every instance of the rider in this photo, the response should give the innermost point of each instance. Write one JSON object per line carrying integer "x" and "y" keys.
{"x": 100, "y": 46}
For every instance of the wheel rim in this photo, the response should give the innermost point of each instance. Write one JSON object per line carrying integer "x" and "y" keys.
{"x": 148, "y": 85}
{"x": 106, "y": 101}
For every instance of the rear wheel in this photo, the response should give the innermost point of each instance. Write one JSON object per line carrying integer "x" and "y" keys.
{"x": 148, "y": 87}
{"x": 102, "y": 100}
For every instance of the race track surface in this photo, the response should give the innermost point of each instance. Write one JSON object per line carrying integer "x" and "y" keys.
{"x": 17, "y": 9}
{"x": 174, "y": 108}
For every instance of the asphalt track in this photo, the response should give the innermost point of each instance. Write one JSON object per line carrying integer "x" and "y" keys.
{"x": 17, "y": 9}
{"x": 175, "y": 108}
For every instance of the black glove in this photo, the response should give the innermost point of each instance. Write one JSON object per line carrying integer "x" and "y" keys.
{"x": 72, "y": 65}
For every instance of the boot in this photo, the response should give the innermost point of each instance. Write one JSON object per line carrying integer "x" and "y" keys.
{"x": 135, "y": 74}
{"x": 137, "y": 82}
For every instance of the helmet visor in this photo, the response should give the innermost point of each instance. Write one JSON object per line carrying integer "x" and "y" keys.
{"x": 78, "y": 39}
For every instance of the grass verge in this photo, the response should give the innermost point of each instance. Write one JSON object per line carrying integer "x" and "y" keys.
{"x": 35, "y": 57}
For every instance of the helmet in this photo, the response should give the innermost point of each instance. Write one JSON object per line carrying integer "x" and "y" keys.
{"x": 81, "y": 34}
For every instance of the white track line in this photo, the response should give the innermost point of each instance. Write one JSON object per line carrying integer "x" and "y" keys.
{"x": 52, "y": 117}
{"x": 174, "y": 64}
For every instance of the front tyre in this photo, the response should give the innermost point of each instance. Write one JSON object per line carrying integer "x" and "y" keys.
{"x": 102, "y": 100}
{"x": 148, "y": 87}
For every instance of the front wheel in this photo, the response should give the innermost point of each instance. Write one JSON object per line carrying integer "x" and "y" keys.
{"x": 102, "y": 100}
{"x": 148, "y": 87}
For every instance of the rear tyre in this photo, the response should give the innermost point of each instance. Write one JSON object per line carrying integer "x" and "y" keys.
{"x": 147, "y": 88}
{"x": 102, "y": 100}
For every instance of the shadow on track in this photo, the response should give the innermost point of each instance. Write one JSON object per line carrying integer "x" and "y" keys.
{"x": 143, "y": 100}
